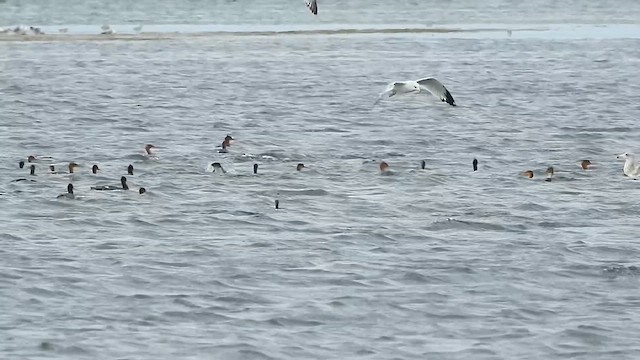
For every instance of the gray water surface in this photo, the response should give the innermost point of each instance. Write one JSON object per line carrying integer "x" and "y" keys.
{"x": 445, "y": 263}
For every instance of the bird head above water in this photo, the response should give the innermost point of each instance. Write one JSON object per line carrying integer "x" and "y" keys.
{"x": 224, "y": 147}
{"x": 123, "y": 181}
{"x": 149, "y": 149}
{"x": 528, "y": 174}
{"x": 549, "y": 173}
{"x": 228, "y": 140}
{"x": 585, "y": 164}
{"x": 217, "y": 166}
{"x": 626, "y": 156}
{"x": 72, "y": 166}
{"x": 299, "y": 167}
{"x": 130, "y": 169}
{"x": 68, "y": 194}
{"x": 94, "y": 169}
{"x": 384, "y": 166}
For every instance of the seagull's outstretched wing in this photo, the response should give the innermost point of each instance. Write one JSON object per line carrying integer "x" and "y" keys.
{"x": 437, "y": 89}
{"x": 391, "y": 90}
{"x": 312, "y": 5}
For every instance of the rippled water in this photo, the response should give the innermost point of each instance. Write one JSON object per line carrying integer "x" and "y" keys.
{"x": 445, "y": 263}
{"x": 252, "y": 12}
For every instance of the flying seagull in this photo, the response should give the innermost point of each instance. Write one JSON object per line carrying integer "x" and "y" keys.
{"x": 413, "y": 87}
{"x": 312, "y": 5}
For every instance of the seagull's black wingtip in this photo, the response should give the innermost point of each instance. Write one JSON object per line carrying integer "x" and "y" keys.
{"x": 449, "y": 99}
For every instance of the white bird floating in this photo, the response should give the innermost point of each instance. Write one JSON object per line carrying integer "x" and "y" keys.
{"x": 631, "y": 168}
{"x": 107, "y": 30}
{"x": 312, "y": 5}
{"x": 413, "y": 87}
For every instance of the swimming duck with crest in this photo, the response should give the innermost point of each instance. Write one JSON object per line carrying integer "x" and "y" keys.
{"x": 226, "y": 143}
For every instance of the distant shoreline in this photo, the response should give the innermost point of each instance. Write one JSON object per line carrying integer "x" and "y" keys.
{"x": 575, "y": 31}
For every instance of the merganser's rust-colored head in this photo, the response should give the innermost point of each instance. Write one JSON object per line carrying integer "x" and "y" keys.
{"x": 72, "y": 166}
{"x": 384, "y": 166}
{"x": 528, "y": 174}
{"x": 585, "y": 164}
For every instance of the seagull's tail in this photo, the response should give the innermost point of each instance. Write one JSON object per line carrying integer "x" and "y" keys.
{"x": 388, "y": 93}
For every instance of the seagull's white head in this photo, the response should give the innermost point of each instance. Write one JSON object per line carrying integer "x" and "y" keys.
{"x": 625, "y": 156}
{"x": 416, "y": 87}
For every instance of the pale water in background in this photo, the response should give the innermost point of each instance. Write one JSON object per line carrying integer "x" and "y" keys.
{"x": 437, "y": 264}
